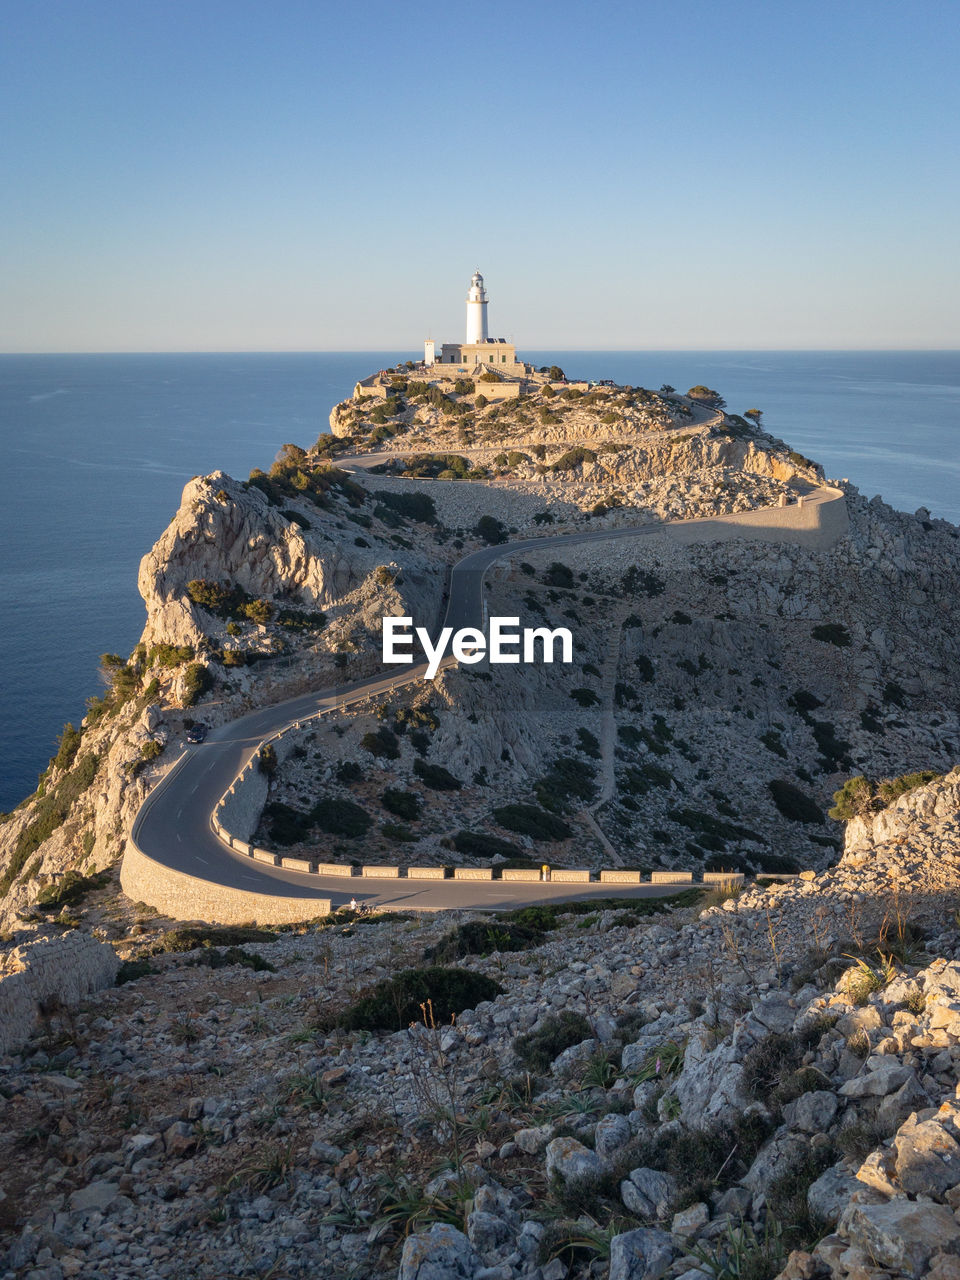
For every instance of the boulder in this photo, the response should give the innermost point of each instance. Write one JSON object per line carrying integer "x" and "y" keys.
{"x": 900, "y": 1234}
{"x": 897, "y": 1106}
{"x": 441, "y": 1253}
{"x": 690, "y": 1220}
{"x": 571, "y": 1161}
{"x": 486, "y": 1231}
{"x": 927, "y": 1160}
{"x": 96, "y": 1195}
{"x": 612, "y": 1134}
{"x": 533, "y": 1141}
{"x": 644, "y": 1254}
{"x": 880, "y": 1077}
{"x": 815, "y": 1112}
{"x": 648, "y": 1193}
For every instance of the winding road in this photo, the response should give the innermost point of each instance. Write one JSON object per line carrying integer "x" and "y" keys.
{"x": 173, "y": 826}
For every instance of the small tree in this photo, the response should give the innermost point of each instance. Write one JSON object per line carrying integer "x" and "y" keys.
{"x": 755, "y": 414}
{"x": 667, "y": 390}
{"x": 555, "y": 373}
{"x": 268, "y": 760}
{"x": 490, "y": 530}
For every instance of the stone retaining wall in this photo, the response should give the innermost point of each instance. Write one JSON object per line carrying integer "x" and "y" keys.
{"x": 185, "y": 897}
{"x": 67, "y": 968}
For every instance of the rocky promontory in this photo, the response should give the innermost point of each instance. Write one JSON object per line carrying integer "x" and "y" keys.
{"x": 758, "y": 1082}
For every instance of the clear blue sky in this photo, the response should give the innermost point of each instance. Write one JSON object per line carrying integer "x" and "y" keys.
{"x": 229, "y": 175}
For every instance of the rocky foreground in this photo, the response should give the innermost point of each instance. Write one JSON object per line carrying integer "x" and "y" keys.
{"x": 756, "y": 1085}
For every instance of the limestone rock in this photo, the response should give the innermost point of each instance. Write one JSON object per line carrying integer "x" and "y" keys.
{"x": 441, "y": 1253}
{"x": 644, "y": 1254}
{"x": 901, "y": 1235}
{"x": 571, "y": 1161}
{"x": 928, "y": 1159}
{"x": 648, "y": 1193}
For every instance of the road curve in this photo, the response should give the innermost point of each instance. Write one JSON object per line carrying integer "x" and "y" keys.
{"x": 173, "y": 824}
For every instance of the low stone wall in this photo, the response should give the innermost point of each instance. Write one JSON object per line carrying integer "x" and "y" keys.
{"x": 621, "y": 877}
{"x": 723, "y": 877}
{"x": 570, "y": 875}
{"x": 242, "y": 804}
{"x": 517, "y": 873}
{"x": 671, "y": 877}
{"x": 473, "y": 873}
{"x": 380, "y": 873}
{"x": 334, "y": 869}
{"x": 426, "y": 873}
{"x": 185, "y": 897}
{"x": 68, "y": 967}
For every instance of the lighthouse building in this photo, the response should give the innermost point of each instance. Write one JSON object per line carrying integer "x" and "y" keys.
{"x": 479, "y": 349}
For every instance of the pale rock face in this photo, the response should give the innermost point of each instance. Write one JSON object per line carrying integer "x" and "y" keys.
{"x": 901, "y": 1234}
{"x": 644, "y": 1254}
{"x": 648, "y": 1193}
{"x": 442, "y": 1253}
{"x": 571, "y": 1161}
{"x": 928, "y": 1159}
{"x": 243, "y": 539}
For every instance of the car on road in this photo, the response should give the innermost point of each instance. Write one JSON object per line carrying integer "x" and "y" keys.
{"x": 197, "y": 732}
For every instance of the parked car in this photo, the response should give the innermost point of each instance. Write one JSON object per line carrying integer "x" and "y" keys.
{"x": 197, "y": 732}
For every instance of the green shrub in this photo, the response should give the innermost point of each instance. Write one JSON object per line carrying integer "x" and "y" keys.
{"x": 893, "y": 788}
{"x": 480, "y": 938}
{"x": 170, "y": 655}
{"x": 490, "y": 530}
{"x": 405, "y": 804}
{"x": 479, "y": 845}
{"x": 559, "y": 575}
{"x": 50, "y": 812}
{"x": 435, "y": 776}
{"x": 191, "y": 937}
{"x": 853, "y": 800}
{"x": 573, "y": 458}
{"x": 860, "y": 796}
{"x": 285, "y": 824}
{"x": 705, "y": 824}
{"x": 832, "y": 633}
{"x": 794, "y": 803}
{"x": 131, "y": 970}
{"x": 537, "y": 1049}
{"x": 584, "y": 697}
{"x": 151, "y": 749}
{"x": 413, "y": 506}
{"x": 397, "y": 1002}
{"x": 339, "y": 817}
{"x": 215, "y": 959}
{"x": 530, "y": 820}
{"x": 568, "y": 778}
{"x": 383, "y": 742}
{"x": 72, "y": 888}
{"x": 197, "y": 680}
{"x": 301, "y": 619}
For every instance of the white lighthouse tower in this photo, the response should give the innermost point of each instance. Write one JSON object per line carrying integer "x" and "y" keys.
{"x": 476, "y": 311}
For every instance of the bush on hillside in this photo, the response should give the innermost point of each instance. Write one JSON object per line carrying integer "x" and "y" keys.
{"x": 397, "y": 1002}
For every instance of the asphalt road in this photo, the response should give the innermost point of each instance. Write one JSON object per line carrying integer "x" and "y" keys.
{"x": 173, "y": 825}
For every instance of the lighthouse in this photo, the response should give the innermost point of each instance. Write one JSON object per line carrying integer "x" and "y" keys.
{"x": 476, "y": 311}
{"x": 480, "y": 352}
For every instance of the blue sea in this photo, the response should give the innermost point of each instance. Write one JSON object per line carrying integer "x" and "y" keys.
{"x": 96, "y": 449}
